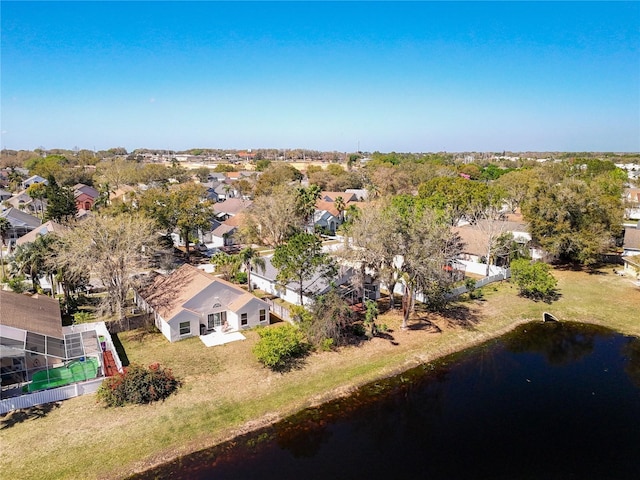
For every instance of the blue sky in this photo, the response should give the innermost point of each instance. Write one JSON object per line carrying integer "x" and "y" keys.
{"x": 405, "y": 77}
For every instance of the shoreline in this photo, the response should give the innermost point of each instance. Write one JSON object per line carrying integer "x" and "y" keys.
{"x": 227, "y": 394}
{"x": 337, "y": 393}
{"x": 272, "y": 418}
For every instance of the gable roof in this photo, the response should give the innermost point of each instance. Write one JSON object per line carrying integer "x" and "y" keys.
{"x": 18, "y": 218}
{"x": 327, "y": 207}
{"x": 631, "y": 239}
{"x": 37, "y": 313}
{"x": 44, "y": 229}
{"x": 232, "y": 206}
{"x": 80, "y": 188}
{"x": 169, "y": 295}
{"x": 331, "y": 196}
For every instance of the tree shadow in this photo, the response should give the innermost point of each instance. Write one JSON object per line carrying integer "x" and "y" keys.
{"x": 386, "y": 335}
{"x": 460, "y": 316}
{"x": 424, "y": 324}
{"x": 15, "y": 417}
{"x": 292, "y": 363}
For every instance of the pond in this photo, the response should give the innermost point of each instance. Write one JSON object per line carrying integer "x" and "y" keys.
{"x": 546, "y": 401}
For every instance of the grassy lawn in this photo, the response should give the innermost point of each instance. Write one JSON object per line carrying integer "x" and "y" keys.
{"x": 226, "y": 392}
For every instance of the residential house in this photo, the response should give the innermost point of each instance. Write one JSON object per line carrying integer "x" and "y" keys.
{"x": 327, "y": 218}
{"x": 476, "y": 243}
{"x": 122, "y": 194}
{"x": 39, "y": 353}
{"x": 221, "y": 233}
{"x": 631, "y": 198}
{"x": 5, "y": 195}
{"x": 231, "y": 207}
{"x": 44, "y": 229}
{"x": 225, "y": 191}
{"x": 266, "y": 281}
{"x": 190, "y": 302}
{"x": 22, "y": 201}
{"x": 21, "y": 224}
{"x": 361, "y": 194}
{"x": 631, "y": 251}
{"x": 85, "y": 196}
{"x": 34, "y": 179}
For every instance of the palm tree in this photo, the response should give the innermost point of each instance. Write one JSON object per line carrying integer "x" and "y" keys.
{"x": 226, "y": 265}
{"x": 250, "y": 258}
{"x": 29, "y": 259}
{"x": 5, "y": 226}
{"x": 340, "y": 207}
{"x": 307, "y": 199}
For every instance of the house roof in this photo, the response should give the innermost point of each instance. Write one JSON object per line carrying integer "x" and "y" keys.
{"x": 327, "y": 207}
{"x": 80, "y": 188}
{"x": 633, "y": 194}
{"x": 169, "y": 295}
{"x": 18, "y": 218}
{"x": 35, "y": 179}
{"x": 43, "y": 229}
{"x": 121, "y": 191}
{"x": 331, "y": 196}
{"x": 318, "y": 283}
{"x": 232, "y": 206}
{"x": 222, "y": 229}
{"x": 631, "y": 239}
{"x": 37, "y": 313}
{"x": 476, "y": 239}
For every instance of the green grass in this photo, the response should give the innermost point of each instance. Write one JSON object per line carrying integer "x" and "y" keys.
{"x": 226, "y": 392}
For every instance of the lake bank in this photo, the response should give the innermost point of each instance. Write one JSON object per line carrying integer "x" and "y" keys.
{"x": 226, "y": 393}
{"x": 492, "y": 405}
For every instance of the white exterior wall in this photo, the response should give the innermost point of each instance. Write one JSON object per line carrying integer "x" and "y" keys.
{"x": 252, "y": 309}
{"x": 174, "y": 326}
{"x": 270, "y": 287}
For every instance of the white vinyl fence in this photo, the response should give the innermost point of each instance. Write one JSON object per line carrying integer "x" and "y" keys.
{"x": 68, "y": 391}
{"x": 49, "y": 396}
{"x": 498, "y": 277}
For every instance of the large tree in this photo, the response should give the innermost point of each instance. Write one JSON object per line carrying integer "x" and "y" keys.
{"x": 113, "y": 250}
{"x": 301, "y": 259}
{"x": 180, "y": 207}
{"x": 576, "y": 219}
{"x": 426, "y": 246}
{"x": 271, "y": 219}
{"x": 61, "y": 203}
{"x": 373, "y": 247}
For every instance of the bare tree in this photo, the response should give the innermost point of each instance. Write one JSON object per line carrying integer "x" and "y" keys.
{"x": 272, "y": 219}
{"x": 113, "y": 250}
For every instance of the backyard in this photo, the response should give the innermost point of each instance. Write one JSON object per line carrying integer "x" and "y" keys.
{"x": 227, "y": 392}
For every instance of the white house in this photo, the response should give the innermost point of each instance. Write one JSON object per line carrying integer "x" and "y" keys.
{"x": 190, "y": 302}
{"x": 265, "y": 280}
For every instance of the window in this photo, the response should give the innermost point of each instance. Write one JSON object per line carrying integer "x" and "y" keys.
{"x": 216, "y": 320}
{"x": 243, "y": 319}
{"x": 263, "y": 315}
{"x": 185, "y": 328}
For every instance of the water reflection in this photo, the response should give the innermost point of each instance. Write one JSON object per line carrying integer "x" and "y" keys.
{"x": 546, "y": 401}
{"x": 559, "y": 342}
{"x": 632, "y": 353}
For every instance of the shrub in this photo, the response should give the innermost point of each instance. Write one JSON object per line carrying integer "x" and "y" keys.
{"x": 17, "y": 284}
{"x": 138, "y": 385}
{"x": 82, "y": 317}
{"x": 279, "y": 347}
{"x": 241, "y": 278}
{"x": 533, "y": 279}
{"x": 326, "y": 345}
